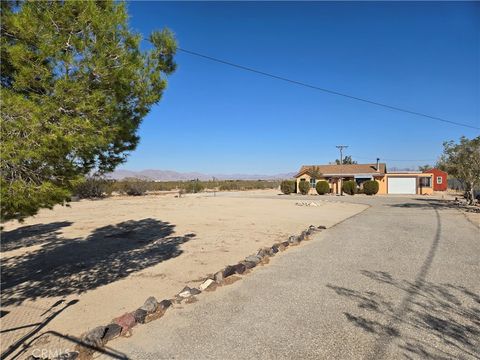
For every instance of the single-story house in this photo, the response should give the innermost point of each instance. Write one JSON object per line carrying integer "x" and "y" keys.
{"x": 439, "y": 179}
{"x": 389, "y": 183}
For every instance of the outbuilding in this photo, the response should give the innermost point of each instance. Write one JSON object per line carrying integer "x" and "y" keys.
{"x": 439, "y": 179}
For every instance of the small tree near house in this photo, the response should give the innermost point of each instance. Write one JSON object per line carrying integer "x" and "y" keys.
{"x": 304, "y": 187}
{"x": 462, "y": 161}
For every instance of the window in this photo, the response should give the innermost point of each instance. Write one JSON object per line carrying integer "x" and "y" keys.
{"x": 439, "y": 180}
{"x": 425, "y": 182}
{"x": 312, "y": 182}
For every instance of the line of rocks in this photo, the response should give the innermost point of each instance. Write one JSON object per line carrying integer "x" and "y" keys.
{"x": 152, "y": 309}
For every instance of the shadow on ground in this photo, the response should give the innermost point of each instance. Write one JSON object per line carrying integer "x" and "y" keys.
{"x": 65, "y": 266}
{"x": 438, "y": 204}
{"x": 32, "y": 235}
{"x": 439, "y": 313}
{"x": 432, "y": 321}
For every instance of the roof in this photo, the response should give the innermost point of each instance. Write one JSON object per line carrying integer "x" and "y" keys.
{"x": 436, "y": 170}
{"x": 346, "y": 169}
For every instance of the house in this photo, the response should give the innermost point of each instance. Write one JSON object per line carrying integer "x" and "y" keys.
{"x": 389, "y": 183}
{"x": 439, "y": 179}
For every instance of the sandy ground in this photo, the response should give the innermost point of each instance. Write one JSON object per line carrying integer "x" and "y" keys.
{"x": 77, "y": 267}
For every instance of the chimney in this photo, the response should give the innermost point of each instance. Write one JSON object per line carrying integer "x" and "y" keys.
{"x": 378, "y": 165}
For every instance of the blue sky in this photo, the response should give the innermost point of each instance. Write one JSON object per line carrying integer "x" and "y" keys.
{"x": 216, "y": 119}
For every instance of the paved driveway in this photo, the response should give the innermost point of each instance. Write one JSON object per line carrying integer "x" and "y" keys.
{"x": 400, "y": 280}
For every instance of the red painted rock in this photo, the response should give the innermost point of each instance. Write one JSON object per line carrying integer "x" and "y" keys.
{"x": 126, "y": 321}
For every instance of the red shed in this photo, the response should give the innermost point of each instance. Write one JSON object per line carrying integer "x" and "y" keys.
{"x": 439, "y": 179}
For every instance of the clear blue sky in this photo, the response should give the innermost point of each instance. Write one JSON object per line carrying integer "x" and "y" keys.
{"x": 216, "y": 119}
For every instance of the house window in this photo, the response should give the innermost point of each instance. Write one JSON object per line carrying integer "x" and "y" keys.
{"x": 425, "y": 182}
{"x": 439, "y": 180}
{"x": 312, "y": 182}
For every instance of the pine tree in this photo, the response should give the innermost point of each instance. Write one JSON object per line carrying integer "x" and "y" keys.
{"x": 75, "y": 87}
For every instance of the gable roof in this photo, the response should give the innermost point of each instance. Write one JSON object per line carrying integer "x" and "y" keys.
{"x": 436, "y": 170}
{"x": 346, "y": 169}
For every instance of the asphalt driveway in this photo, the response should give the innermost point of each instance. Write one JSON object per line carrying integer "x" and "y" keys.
{"x": 399, "y": 280}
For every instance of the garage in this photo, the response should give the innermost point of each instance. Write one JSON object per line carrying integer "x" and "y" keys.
{"x": 402, "y": 185}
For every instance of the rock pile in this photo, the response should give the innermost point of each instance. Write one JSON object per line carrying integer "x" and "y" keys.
{"x": 152, "y": 309}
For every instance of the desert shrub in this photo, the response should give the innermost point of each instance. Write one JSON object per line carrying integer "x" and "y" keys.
{"x": 370, "y": 187}
{"x": 229, "y": 185}
{"x": 349, "y": 187}
{"x": 304, "y": 187}
{"x": 125, "y": 185}
{"x": 322, "y": 187}
{"x": 92, "y": 187}
{"x": 134, "y": 186}
{"x": 194, "y": 186}
{"x": 287, "y": 186}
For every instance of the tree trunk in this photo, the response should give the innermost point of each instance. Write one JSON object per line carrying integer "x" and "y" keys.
{"x": 470, "y": 194}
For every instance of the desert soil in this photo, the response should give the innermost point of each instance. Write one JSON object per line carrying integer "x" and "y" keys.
{"x": 77, "y": 267}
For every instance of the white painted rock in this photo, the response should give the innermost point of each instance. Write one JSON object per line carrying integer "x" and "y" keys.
{"x": 206, "y": 284}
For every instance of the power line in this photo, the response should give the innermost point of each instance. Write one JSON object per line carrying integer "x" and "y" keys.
{"x": 366, "y": 157}
{"x": 325, "y": 90}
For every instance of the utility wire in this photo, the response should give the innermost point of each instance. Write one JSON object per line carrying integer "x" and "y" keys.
{"x": 364, "y": 157}
{"x": 325, "y": 90}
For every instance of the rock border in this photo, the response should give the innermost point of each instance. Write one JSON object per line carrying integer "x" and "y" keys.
{"x": 152, "y": 309}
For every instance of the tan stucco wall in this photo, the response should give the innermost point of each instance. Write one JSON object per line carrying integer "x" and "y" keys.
{"x": 382, "y": 185}
{"x": 382, "y": 182}
{"x": 307, "y": 178}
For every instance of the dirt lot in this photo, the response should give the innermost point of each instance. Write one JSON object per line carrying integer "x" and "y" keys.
{"x": 77, "y": 267}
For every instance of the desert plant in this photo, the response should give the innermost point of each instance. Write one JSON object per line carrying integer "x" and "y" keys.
{"x": 462, "y": 161}
{"x": 349, "y": 187}
{"x": 304, "y": 187}
{"x": 370, "y": 187}
{"x": 322, "y": 187}
{"x": 91, "y": 187}
{"x": 134, "y": 186}
{"x": 194, "y": 186}
{"x": 287, "y": 186}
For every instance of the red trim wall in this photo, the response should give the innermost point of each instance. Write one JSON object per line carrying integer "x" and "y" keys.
{"x": 438, "y": 173}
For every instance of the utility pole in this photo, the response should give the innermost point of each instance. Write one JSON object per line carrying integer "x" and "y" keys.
{"x": 341, "y": 147}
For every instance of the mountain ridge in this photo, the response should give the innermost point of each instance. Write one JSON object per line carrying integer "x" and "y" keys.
{"x": 171, "y": 175}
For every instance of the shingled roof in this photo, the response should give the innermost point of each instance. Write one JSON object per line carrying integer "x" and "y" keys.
{"x": 344, "y": 170}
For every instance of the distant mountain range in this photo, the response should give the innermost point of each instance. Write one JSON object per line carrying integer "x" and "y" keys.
{"x": 168, "y": 175}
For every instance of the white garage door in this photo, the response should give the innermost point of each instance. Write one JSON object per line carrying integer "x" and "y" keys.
{"x": 402, "y": 185}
